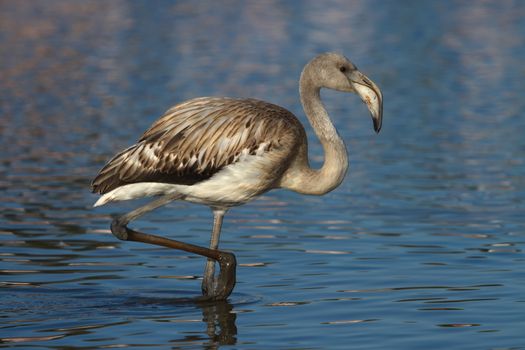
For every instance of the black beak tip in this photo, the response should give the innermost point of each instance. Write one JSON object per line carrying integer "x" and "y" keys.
{"x": 377, "y": 126}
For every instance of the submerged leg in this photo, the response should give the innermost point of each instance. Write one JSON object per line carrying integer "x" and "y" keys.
{"x": 209, "y": 283}
{"x": 226, "y": 279}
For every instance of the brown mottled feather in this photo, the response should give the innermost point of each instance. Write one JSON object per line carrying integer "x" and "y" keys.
{"x": 195, "y": 139}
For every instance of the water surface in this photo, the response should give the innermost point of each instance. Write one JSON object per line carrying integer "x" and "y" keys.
{"x": 420, "y": 247}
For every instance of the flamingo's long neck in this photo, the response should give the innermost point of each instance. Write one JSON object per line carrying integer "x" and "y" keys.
{"x": 303, "y": 178}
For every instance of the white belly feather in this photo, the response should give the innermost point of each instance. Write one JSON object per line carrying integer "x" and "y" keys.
{"x": 233, "y": 185}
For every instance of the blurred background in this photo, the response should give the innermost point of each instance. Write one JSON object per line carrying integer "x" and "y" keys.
{"x": 420, "y": 247}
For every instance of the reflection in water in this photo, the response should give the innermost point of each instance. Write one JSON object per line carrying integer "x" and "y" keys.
{"x": 219, "y": 318}
{"x": 220, "y": 321}
{"x": 421, "y": 245}
{"x": 98, "y": 311}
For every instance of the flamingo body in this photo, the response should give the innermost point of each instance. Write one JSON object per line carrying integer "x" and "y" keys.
{"x": 213, "y": 151}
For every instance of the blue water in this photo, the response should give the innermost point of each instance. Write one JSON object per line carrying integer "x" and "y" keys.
{"x": 421, "y": 247}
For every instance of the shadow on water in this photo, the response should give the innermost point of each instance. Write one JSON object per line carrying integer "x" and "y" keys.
{"x": 92, "y": 310}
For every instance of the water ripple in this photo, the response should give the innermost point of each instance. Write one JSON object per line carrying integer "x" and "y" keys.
{"x": 420, "y": 247}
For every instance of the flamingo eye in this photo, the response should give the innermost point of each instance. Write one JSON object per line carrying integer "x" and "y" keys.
{"x": 342, "y": 69}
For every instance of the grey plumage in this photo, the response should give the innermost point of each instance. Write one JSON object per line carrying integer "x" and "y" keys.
{"x": 194, "y": 140}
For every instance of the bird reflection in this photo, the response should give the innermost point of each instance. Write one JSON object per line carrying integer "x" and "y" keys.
{"x": 219, "y": 317}
{"x": 220, "y": 322}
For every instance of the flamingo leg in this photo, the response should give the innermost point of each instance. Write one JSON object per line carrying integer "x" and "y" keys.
{"x": 209, "y": 283}
{"x": 213, "y": 289}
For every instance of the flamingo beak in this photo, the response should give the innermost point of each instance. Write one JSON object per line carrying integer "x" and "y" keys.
{"x": 371, "y": 96}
